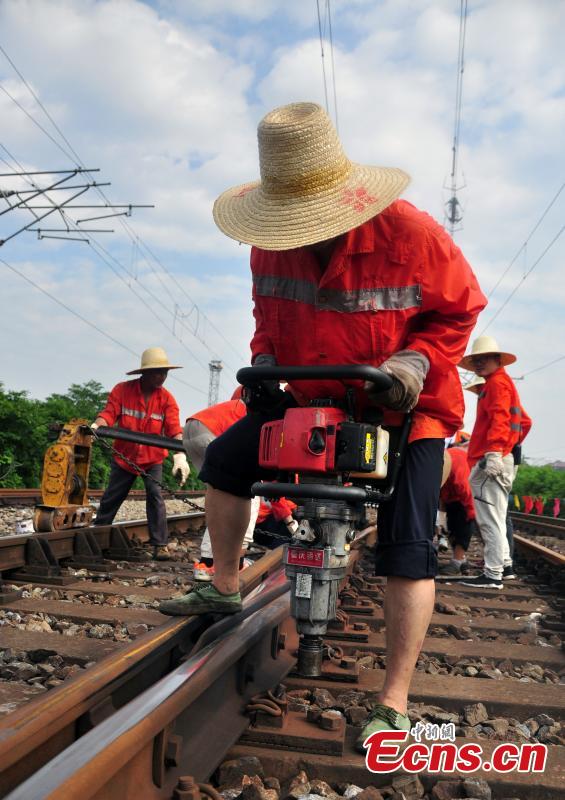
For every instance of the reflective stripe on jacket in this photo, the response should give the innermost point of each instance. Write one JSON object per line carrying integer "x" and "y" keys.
{"x": 222, "y": 416}
{"x": 126, "y": 408}
{"x": 396, "y": 282}
{"x": 501, "y": 421}
{"x": 457, "y": 488}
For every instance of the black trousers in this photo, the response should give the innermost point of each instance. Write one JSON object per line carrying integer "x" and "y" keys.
{"x": 459, "y": 527}
{"x": 119, "y": 485}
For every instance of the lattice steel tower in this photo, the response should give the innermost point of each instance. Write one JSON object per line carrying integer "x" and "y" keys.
{"x": 214, "y": 386}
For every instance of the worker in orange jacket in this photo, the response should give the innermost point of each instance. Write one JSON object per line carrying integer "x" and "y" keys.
{"x": 143, "y": 405}
{"x": 345, "y": 272}
{"x": 501, "y": 424}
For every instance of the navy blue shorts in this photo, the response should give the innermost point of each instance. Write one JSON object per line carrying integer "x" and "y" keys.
{"x": 405, "y": 523}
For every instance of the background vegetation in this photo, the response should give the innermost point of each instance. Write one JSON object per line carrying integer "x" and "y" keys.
{"x": 25, "y": 435}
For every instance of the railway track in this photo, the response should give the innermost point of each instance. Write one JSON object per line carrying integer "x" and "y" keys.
{"x": 31, "y": 497}
{"x": 159, "y": 716}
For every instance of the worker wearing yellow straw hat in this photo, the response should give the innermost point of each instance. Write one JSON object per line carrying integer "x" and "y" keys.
{"x": 501, "y": 423}
{"x": 143, "y": 405}
{"x": 345, "y": 272}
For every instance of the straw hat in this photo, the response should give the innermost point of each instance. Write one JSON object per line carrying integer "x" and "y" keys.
{"x": 309, "y": 190}
{"x": 475, "y": 385}
{"x": 153, "y": 358}
{"x": 486, "y": 345}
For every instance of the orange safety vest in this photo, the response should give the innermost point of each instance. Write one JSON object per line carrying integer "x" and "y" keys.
{"x": 501, "y": 422}
{"x": 126, "y": 407}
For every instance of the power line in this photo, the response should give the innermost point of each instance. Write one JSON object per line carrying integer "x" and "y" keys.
{"x": 522, "y": 279}
{"x": 453, "y": 213}
{"x": 328, "y": 6}
{"x": 534, "y": 229}
{"x": 322, "y": 55}
{"x": 544, "y": 366}
{"x": 133, "y": 237}
{"x": 83, "y": 319}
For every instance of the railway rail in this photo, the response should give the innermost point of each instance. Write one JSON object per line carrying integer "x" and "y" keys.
{"x": 31, "y": 497}
{"x": 156, "y": 718}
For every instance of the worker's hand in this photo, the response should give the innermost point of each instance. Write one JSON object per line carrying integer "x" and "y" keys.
{"x": 494, "y": 465}
{"x": 180, "y": 464}
{"x": 292, "y": 526}
{"x": 266, "y": 395}
{"x": 94, "y": 426}
{"x": 408, "y": 370}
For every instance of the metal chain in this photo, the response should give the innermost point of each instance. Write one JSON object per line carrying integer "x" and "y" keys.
{"x": 139, "y": 471}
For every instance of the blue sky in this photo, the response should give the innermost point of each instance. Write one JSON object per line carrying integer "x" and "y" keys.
{"x": 164, "y": 97}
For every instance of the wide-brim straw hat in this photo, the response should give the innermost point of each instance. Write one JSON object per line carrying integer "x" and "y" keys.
{"x": 153, "y": 358}
{"x": 475, "y": 385}
{"x": 486, "y": 345}
{"x": 309, "y": 190}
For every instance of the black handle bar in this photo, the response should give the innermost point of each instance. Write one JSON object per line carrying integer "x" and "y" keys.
{"x": 337, "y": 372}
{"x": 151, "y": 439}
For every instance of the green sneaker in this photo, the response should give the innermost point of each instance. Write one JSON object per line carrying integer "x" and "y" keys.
{"x": 382, "y": 718}
{"x": 202, "y": 600}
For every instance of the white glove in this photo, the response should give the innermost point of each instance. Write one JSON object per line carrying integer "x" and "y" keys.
{"x": 292, "y": 526}
{"x": 408, "y": 370}
{"x": 494, "y": 465}
{"x": 180, "y": 464}
{"x": 94, "y": 426}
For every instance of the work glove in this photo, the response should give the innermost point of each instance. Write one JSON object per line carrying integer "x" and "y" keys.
{"x": 180, "y": 464}
{"x": 408, "y": 370}
{"x": 94, "y": 426}
{"x": 494, "y": 465}
{"x": 267, "y": 395}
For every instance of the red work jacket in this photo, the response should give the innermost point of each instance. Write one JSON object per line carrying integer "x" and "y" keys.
{"x": 501, "y": 422}
{"x": 126, "y": 407}
{"x": 457, "y": 489}
{"x": 222, "y": 416}
{"x": 397, "y": 282}
{"x": 280, "y": 509}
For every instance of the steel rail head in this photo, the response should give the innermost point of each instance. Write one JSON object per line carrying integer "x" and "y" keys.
{"x": 89, "y": 764}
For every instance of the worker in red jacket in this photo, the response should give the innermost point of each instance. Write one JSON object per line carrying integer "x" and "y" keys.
{"x": 501, "y": 424}
{"x": 344, "y": 272}
{"x": 456, "y": 499}
{"x": 143, "y": 405}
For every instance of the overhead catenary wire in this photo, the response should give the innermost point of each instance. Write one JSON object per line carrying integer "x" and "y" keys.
{"x": 322, "y": 55}
{"x": 453, "y": 206}
{"x": 86, "y": 321}
{"x": 107, "y": 258}
{"x": 524, "y": 245}
{"x": 73, "y": 156}
{"x": 522, "y": 279}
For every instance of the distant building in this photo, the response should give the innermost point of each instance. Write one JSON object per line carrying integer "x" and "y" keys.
{"x": 560, "y": 465}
